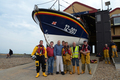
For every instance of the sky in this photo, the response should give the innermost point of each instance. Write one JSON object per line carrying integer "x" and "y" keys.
{"x": 19, "y": 32}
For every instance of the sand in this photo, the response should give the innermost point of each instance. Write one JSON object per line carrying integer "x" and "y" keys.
{"x": 6, "y": 63}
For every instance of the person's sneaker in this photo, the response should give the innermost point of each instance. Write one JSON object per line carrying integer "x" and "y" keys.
{"x": 57, "y": 72}
{"x": 48, "y": 74}
{"x": 62, "y": 73}
{"x": 51, "y": 73}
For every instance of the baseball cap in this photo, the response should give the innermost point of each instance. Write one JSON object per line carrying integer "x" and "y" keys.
{"x": 84, "y": 41}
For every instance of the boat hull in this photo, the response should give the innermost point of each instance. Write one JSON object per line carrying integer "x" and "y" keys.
{"x": 69, "y": 39}
{"x": 66, "y": 26}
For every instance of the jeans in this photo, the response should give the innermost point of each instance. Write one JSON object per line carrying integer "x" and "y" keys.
{"x": 75, "y": 60}
{"x": 50, "y": 64}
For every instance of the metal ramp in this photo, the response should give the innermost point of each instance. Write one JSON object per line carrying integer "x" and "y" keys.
{"x": 116, "y": 61}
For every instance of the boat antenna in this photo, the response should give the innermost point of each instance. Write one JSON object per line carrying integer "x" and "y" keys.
{"x": 53, "y": 4}
{"x": 45, "y": 2}
{"x": 58, "y": 5}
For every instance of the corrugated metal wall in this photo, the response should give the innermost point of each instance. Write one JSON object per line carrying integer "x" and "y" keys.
{"x": 103, "y": 30}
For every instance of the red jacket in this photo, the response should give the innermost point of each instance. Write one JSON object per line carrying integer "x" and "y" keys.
{"x": 105, "y": 48}
{"x": 50, "y": 51}
{"x": 66, "y": 50}
{"x": 85, "y": 47}
{"x": 41, "y": 49}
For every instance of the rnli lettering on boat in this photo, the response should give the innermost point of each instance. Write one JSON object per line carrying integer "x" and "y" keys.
{"x": 70, "y": 30}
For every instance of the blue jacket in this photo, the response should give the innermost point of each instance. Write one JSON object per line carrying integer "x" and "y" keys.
{"x": 112, "y": 44}
{"x": 58, "y": 50}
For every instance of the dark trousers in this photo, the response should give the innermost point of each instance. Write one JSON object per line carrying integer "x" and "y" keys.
{"x": 75, "y": 60}
{"x": 40, "y": 61}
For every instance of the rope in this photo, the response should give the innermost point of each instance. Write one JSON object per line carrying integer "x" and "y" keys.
{"x": 83, "y": 30}
{"x": 72, "y": 5}
{"x": 65, "y": 7}
{"x": 45, "y": 2}
{"x": 53, "y": 4}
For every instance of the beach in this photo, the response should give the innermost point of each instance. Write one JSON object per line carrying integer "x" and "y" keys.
{"x": 15, "y": 60}
{"x": 103, "y": 71}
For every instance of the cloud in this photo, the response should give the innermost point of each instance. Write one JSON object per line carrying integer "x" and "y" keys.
{"x": 21, "y": 40}
{"x": 17, "y": 29}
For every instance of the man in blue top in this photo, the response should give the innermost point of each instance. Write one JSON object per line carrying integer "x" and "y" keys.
{"x": 58, "y": 56}
{"x": 114, "y": 49}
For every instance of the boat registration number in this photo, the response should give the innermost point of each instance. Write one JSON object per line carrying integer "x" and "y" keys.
{"x": 70, "y": 29}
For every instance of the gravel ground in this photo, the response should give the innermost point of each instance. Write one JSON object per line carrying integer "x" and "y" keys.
{"x": 12, "y": 62}
{"x": 103, "y": 71}
{"x": 106, "y": 72}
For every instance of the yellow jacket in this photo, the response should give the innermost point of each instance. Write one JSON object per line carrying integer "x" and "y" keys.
{"x": 35, "y": 51}
{"x": 113, "y": 46}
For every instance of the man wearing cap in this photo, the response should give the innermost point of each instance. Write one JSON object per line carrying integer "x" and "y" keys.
{"x": 85, "y": 57}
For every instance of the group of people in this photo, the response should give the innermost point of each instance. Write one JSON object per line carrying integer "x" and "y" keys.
{"x": 65, "y": 57}
{"x": 106, "y": 52}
